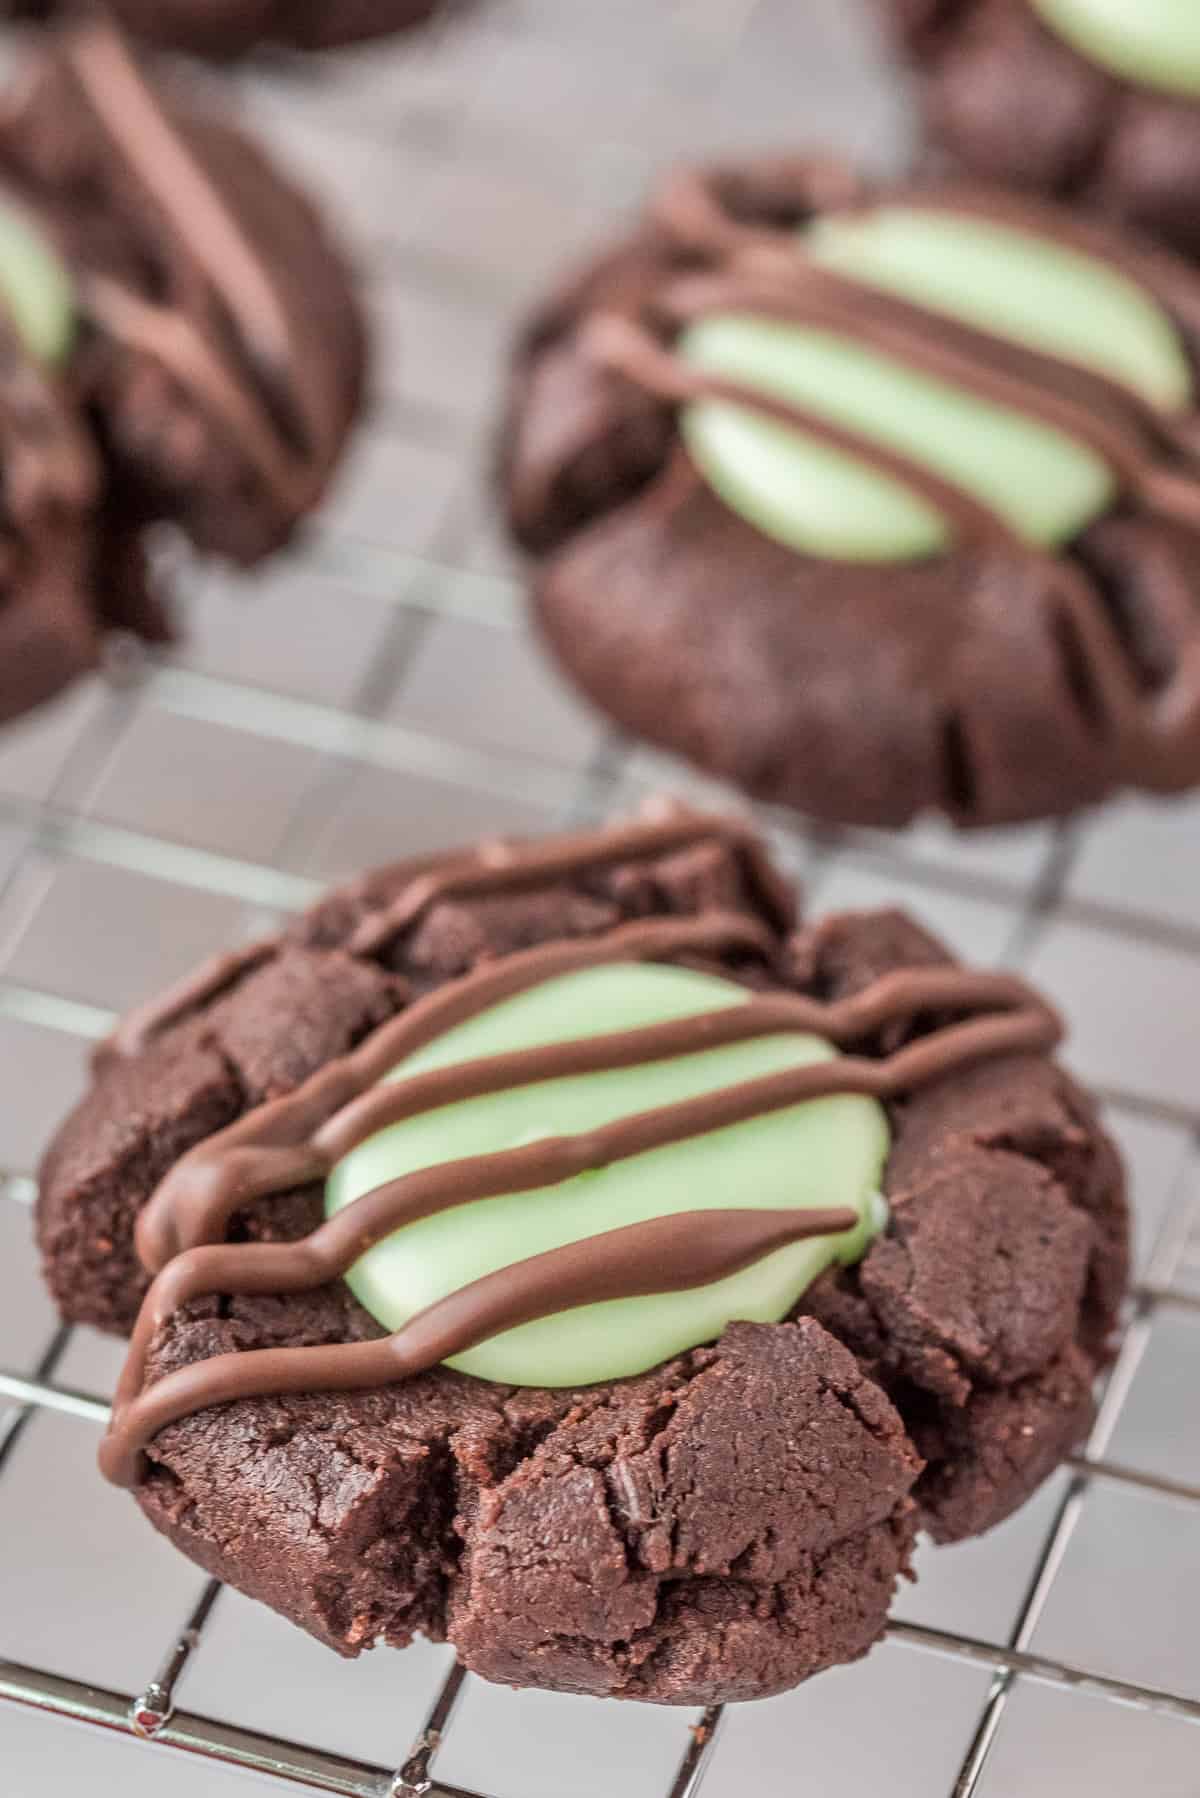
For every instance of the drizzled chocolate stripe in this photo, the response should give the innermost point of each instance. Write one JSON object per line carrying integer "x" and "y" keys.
{"x": 502, "y": 866}
{"x": 757, "y": 1016}
{"x": 776, "y": 281}
{"x": 158, "y": 160}
{"x": 691, "y": 206}
{"x": 192, "y": 358}
{"x": 505, "y": 868}
{"x": 775, "y": 278}
{"x": 299, "y": 1138}
{"x": 1159, "y": 736}
{"x": 1170, "y": 278}
{"x": 688, "y": 207}
{"x": 1131, "y": 438}
{"x": 1127, "y": 432}
{"x": 1167, "y": 278}
{"x": 630, "y": 350}
{"x": 302, "y": 1138}
{"x": 201, "y": 1214}
{"x": 670, "y": 1254}
{"x": 757, "y": 268}
{"x": 152, "y": 149}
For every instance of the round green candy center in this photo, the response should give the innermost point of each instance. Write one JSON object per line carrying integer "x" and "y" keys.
{"x": 824, "y": 1152}
{"x": 35, "y": 287}
{"x": 1153, "y": 42}
{"x": 819, "y": 498}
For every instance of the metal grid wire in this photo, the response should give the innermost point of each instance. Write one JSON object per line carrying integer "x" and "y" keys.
{"x": 435, "y": 572}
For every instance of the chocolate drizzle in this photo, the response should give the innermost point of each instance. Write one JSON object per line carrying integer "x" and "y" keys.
{"x": 630, "y": 350}
{"x": 157, "y": 161}
{"x": 502, "y": 867}
{"x": 494, "y": 868}
{"x": 299, "y": 1139}
{"x": 668, "y": 1254}
{"x": 1170, "y": 278}
{"x": 1122, "y": 428}
{"x": 766, "y": 278}
{"x": 756, "y": 264}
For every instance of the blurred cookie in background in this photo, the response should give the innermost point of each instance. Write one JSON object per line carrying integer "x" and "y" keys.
{"x": 71, "y": 566}
{"x": 223, "y": 28}
{"x": 874, "y": 501}
{"x": 1098, "y": 100}
{"x": 182, "y": 344}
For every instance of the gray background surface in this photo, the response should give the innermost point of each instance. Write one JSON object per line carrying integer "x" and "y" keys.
{"x": 375, "y": 693}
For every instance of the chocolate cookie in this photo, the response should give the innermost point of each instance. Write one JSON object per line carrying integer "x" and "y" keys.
{"x": 1081, "y": 98}
{"x": 873, "y": 501}
{"x": 71, "y": 565}
{"x": 559, "y": 1250}
{"x": 224, "y": 28}
{"x": 173, "y": 309}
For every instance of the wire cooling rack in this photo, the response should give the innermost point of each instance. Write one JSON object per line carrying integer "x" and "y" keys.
{"x": 379, "y": 694}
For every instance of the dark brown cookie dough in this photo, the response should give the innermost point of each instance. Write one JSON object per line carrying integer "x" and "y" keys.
{"x": 633, "y": 1552}
{"x": 1008, "y": 97}
{"x": 216, "y": 363}
{"x": 226, "y": 28}
{"x": 633, "y": 1538}
{"x": 71, "y": 567}
{"x": 986, "y": 682}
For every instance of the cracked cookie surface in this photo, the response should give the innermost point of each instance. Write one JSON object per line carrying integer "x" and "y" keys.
{"x": 719, "y": 1528}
